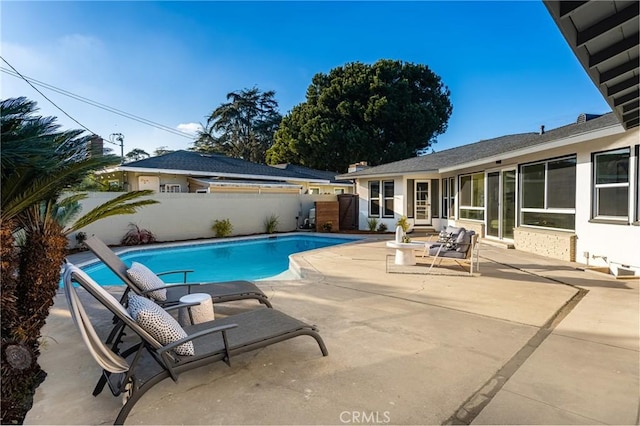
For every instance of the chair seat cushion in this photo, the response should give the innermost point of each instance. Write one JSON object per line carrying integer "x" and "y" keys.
{"x": 145, "y": 279}
{"x": 445, "y": 252}
{"x": 158, "y": 323}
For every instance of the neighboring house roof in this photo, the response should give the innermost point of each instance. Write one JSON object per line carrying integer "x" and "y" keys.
{"x": 505, "y": 146}
{"x": 197, "y": 164}
{"x": 248, "y": 183}
{"x": 312, "y": 173}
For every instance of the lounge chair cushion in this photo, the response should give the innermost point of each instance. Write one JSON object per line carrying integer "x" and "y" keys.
{"x": 463, "y": 241}
{"x": 454, "y": 231}
{"x": 145, "y": 279}
{"x": 158, "y": 323}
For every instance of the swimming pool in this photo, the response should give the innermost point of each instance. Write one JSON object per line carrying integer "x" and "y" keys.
{"x": 241, "y": 259}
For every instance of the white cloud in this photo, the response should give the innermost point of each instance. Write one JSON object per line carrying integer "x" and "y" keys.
{"x": 191, "y": 128}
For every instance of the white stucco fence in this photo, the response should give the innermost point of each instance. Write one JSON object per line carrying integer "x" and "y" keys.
{"x": 184, "y": 216}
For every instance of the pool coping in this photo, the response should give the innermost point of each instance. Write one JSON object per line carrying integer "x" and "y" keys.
{"x": 293, "y": 266}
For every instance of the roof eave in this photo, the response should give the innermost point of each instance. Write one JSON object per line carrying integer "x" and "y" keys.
{"x": 383, "y": 175}
{"x": 214, "y": 174}
{"x": 574, "y": 139}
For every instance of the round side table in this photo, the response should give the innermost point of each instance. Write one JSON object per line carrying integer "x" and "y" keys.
{"x": 196, "y": 314}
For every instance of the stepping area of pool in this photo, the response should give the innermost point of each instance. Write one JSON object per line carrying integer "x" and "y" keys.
{"x": 529, "y": 341}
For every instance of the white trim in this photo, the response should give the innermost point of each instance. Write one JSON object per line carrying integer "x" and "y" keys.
{"x": 194, "y": 173}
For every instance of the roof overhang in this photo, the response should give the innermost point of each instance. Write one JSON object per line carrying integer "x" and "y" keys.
{"x": 558, "y": 143}
{"x": 482, "y": 162}
{"x": 388, "y": 175}
{"x": 604, "y": 37}
{"x": 245, "y": 184}
{"x": 192, "y": 173}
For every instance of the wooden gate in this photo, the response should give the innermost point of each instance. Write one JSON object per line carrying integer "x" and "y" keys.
{"x": 348, "y": 211}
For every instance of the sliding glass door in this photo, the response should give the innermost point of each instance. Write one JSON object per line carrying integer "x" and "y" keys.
{"x": 501, "y": 204}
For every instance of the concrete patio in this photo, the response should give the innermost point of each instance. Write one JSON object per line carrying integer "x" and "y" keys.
{"x": 529, "y": 341}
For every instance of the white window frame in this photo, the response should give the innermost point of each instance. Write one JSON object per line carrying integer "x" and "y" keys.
{"x": 372, "y": 198}
{"x": 170, "y": 187}
{"x": 338, "y": 191}
{"x": 597, "y": 186}
{"x": 449, "y": 197}
{"x": 314, "y": 190}
{"x": 472, "y": 207}
{"x": 545, "y": 208}
{"x": 385, "y": 197}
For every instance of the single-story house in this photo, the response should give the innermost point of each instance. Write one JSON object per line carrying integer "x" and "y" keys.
{"x": 570, "y": 193}
{"x": 188, "y": 171}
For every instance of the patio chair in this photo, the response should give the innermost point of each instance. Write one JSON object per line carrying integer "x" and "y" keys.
{"x": 220, "y": 292}
{"x": 131, "y": 372}
{"x": 461, "y": 249}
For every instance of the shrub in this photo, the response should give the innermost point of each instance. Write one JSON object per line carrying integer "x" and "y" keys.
{"x": 382, "y": 228}
{"x": 403, "y": 222}
{"x": 327, "y": 226}
{"x": 271, "y": 224}
{"x": 222, "y": 228}
{"x": 137, "y": 236}
{"x": 373, "y": 223}
{"x": 81, "y": 237}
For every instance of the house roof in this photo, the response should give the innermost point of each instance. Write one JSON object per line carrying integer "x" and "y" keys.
{"x": 506, "y": 146}
{"x": 198, "y": 164}
{"x": 312, "y": 173}
{"x": 604, "y": 37}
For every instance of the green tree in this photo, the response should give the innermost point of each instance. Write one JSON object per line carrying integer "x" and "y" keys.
{"x": 384, "y": 112}
{"x": 136, "y": 154}
{"x": 38, "y": 163}
{"x": 243, "y": 127}
{"x": 161, "y": 150}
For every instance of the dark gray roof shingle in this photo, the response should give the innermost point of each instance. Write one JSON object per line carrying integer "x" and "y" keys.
{"x": 310, "y": 173}
{"x": 484, "y": 149}
{"x": 195, "y": 163}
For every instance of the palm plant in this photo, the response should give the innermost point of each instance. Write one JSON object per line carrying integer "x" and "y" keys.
{"x": 38, "y": 163}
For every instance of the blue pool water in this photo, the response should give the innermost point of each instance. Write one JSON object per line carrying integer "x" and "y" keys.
{"x": 251, "y": 259}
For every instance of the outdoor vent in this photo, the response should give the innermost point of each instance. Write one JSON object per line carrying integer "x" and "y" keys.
{"x": 583, "y": 118}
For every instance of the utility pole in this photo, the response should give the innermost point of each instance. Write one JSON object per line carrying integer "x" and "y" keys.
{"x": 119, "y": 137}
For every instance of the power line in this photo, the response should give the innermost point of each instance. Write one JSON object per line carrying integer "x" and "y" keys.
{"x": 96, "y": 104}
{"x": 44, "y": 96}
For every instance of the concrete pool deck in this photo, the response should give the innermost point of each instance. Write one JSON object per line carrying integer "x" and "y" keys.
{"x": 530, "y": 341}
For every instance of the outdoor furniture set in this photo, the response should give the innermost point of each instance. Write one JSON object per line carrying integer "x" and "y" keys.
{"x": 160, "y": 347}
{"x": 455, "y": 245}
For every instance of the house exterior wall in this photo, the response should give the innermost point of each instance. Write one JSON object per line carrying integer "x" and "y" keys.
{"x": 612, "y": 243}
{"x": 400, "y": 204}
{"x": 188, "y": 185}
{"x": 184, "y": 216}
{"x": 558, "y": 245}
{"x": 132, "y": 181}
{"x": 323, "y": 189}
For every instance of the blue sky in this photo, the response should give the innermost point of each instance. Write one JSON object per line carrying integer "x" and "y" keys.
{"x": 506, "y": 64}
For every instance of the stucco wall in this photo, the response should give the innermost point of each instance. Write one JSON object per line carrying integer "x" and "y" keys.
{"x": 183, "y": 216}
